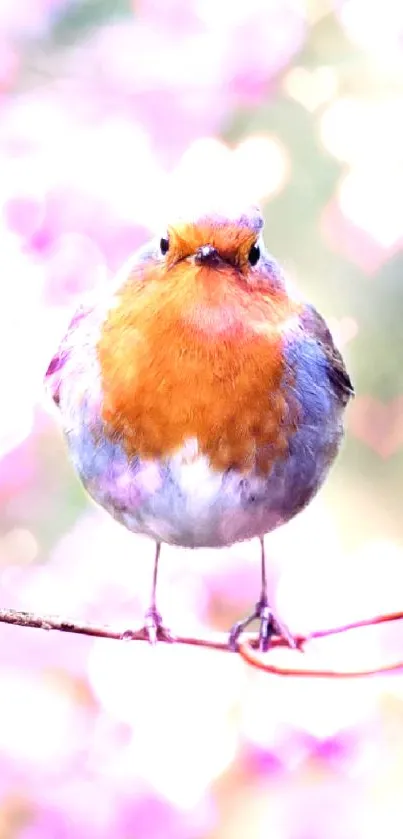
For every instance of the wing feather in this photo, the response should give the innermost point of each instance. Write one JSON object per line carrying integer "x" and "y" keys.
{"x": 315, "y": 324}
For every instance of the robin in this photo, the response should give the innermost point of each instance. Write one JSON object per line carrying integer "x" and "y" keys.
{"x": 201, "y": 398}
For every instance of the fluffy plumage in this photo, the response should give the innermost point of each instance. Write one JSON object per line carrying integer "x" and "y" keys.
{"x": 202, "y": 403}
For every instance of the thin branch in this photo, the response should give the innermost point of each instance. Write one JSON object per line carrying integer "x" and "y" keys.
{"x": 324, "y": 633}
{"x": 52, "y": 622}
{"x": 252, "y": 657}
{"x": 256, "y": 659}
{"x": 247, "y": 647}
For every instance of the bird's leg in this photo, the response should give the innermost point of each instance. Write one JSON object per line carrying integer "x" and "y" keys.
{"x": 152, "y": 617}
{"x": 269, "y": 625}
{"x": 153, "y": 625}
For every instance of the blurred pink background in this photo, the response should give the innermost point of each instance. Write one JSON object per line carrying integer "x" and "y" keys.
{"x": 110, "y": 113}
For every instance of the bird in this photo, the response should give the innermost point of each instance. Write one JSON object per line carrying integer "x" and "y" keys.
{"x": 202, "y": 396}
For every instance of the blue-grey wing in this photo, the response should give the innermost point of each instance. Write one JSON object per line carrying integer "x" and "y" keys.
{"x": 54, "y": 372}
{"x": 315, "y": 325}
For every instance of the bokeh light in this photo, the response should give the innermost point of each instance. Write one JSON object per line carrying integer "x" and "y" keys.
{"x": 114, "y": 117}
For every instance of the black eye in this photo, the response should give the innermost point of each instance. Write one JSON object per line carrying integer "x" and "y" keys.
{"x": 164, "y": 245}
{"x": 254, "y": 254}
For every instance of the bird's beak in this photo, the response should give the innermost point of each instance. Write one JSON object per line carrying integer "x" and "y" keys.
{"x": 207, "y": 255}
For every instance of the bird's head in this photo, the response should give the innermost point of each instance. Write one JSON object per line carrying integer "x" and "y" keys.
{"x": 215, "y": 241}
{"x": 211, "y": 270}
{"x": 216, "y": 245}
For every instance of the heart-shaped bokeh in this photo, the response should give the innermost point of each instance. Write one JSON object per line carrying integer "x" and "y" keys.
{"x": 378, "y": 424}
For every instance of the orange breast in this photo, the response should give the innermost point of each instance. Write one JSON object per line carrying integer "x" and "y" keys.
{"x": 193, "y": 353}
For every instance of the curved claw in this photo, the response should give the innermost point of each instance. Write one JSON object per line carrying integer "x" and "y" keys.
{"x": 281, "y": 629}
{"x": 154, "y": 628}
{"x": 269, "y": 626}
{"x": 152, "y": 631}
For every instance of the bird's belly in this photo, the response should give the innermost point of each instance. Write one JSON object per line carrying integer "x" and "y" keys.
{"x": 183, "y": 500}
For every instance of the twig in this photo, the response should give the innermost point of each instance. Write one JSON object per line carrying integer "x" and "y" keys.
{"x": 53, "y": 622}
{"x": 324, "y": 633}
{"x": 247, "y": 647}
{"x": 252, "y": 657}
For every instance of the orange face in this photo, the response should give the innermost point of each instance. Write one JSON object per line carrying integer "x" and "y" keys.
{"x": 194, "y": 351}
{"x": 232, "y": 242}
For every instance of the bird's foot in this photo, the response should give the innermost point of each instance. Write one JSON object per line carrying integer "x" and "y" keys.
{"x": 269, "y": 626}
{"x": 155, "y": 629}
{"x": 152, "y": 631}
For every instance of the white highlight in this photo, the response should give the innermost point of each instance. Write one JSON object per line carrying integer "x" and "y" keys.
{"x": 178, "y": 703}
